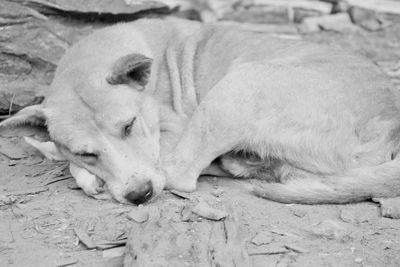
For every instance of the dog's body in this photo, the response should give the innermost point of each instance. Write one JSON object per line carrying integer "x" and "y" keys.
{"x": 320, "y": 122}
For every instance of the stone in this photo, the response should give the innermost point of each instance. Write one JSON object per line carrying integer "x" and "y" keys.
{"x": 138, "y": 215}
{"x": 333, "y": 230}
{"x": 367, "y": 19}
{"x": 262, "y": 238}
{"x": 340, "y": 22}
{"x": 206, "y": 211}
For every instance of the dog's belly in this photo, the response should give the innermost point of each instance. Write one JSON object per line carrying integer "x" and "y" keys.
{"x": 307, "y": 116}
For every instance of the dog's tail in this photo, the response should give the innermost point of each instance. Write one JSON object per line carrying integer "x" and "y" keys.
{"x": 354, "y": 185}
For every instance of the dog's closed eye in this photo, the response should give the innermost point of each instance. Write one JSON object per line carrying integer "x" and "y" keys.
{"x": 89, "y": 158}
{"x": 127, "y": 129}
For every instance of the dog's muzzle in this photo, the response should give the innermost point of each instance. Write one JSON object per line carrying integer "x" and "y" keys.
{"x": 140, "y": 195}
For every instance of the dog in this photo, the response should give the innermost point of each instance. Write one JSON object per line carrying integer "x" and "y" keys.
{"x": 148, "y": 105}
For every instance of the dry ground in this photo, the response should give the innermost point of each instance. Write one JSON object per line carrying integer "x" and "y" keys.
{"x": 41, "y": 210}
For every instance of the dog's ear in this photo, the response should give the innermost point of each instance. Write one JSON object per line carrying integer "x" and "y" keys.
{"x": 31, "y": 116}
{"x": 48, "y": 149}
{"x": 132, "y": 69}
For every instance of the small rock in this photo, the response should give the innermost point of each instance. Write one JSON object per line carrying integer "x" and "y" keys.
{"x": 12, "y": 163}
{"x": 113, "y": 252}
{"x": 332, "y": 230}
{"x": 12, "y": 151}
{"x": 138, "y": 215}
{"x": 358, "y": 213}
{"x": 217, "y": 192}
{"x": 367, "y": 19}
{"x": 186, "y": 213}
{"x": 262, "y": 238}
{"x": 358, "y": 260}
{"x": 381, "y": 6}
{"x": 180, "y": 194}
{"x": 206, "y": 211}
{"x": 390, "y": 207}
{"x": 348, "y": 216}
{"x": 337, "y": 22}
{"x": 298, "y": 212}
{"x": 34, "y": 160}
{"x": 84, "y": 238}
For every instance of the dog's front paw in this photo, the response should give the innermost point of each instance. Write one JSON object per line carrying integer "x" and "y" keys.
{"x": 87, "y": 181}
{"x": 178, "y": 175}
{"x": 180, "y": 185}
{"x": 184, "y": 183}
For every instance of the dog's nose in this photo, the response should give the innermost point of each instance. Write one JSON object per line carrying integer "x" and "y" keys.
{"x": 141, "y": 194}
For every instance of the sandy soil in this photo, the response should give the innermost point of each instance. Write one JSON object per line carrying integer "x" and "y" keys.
{"x": 42, "y": 212}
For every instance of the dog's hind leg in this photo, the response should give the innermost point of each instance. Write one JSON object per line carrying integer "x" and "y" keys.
{"x": 249, "y": 165}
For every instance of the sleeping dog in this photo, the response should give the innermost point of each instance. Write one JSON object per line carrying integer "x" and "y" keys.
{"x": 148, "y": 105}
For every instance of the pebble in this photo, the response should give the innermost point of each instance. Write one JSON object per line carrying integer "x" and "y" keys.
{"x": 298, "y": 212}
{"x": 138, "y": 215}
{"x": 340, "y": 22}
{"x": 181, "y": 194}
{"x": 262, "y": 238}
{"x": 206, "y": 211}
{"x": 331, "y": 229}
{"x": 358, "y": 260}
{"x": 186, "y": 213}
{"x": 218, "y": 192}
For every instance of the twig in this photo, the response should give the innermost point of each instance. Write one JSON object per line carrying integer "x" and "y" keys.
{"x": 62, "y": 178}
{"x": 30, "y": 191}
{"x": 111, "y": 244}
{"x": 11, "y": 104}
{"x": 84, "y": 238}
{"x": 68, "y": 263}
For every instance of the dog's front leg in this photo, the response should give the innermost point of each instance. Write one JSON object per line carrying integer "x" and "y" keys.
{"x": 216, "y": 127}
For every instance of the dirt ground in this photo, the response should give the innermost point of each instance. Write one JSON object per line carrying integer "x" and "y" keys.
{"x": 44, "y": 216}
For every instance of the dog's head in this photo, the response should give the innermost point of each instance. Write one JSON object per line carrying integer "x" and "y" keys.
{"x": 102, "y": 119}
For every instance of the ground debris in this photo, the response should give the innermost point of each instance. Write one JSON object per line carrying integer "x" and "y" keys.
{"x": 296, "y": 248}
{"x": 84, "y": 238}
{"x": 340, "y": 22}
{"x": 367, "y": 19}
{"x": 226, "y": 246}
{"x": 138, "y": 215}
{"x": 390, "y": 207}
{"x": 355, "y": 214}
{"x": 113, "y": 252}
{"x": 104, "y": 10}
{"x": 111, "y": 244}
{"x": 332, "y": 229}
{"x": 11, "y": 150}
{"x": 176, "y": 243}
{"x": 29, "y": 191}
{"x": 13, "y": 13}
{"x": 181, "y": 194}
{"x": 65, "y": 263}
{"x": 218, "y": 192}
{"x": 269, "y": 249}
{"x": 59, "y": 179}
{"x": 206, "y": 211}
{"x": 186, "y": 213}
{"x": 298, "y": 212}
{"x": 262, "y": 238}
